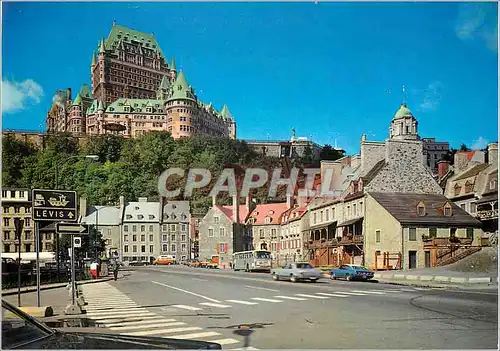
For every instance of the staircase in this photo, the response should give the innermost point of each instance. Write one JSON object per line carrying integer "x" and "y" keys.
{"x": 461, "y": 255}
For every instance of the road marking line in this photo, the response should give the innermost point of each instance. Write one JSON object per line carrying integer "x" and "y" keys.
{"x": 195, "y": 336}
{"x": 214, "y": 305}
{"x": 243, "y": 302}
{"x": 386, "y": 291}
{"x": 312, "y": 296}
{"x": 185, "y": 291}
{"x": 164, "y": 331}
{"x": 190, "y": 308}
{"x": 118, "y": 314}
{"x": 246, "y": 348}
{"x": 103, "y": 308}
{"x": 108, "y": 302}
{"x": 201, "y": 280}
{"x": 225, "y": 341}
{"x": 151, "y": 320}
{"x": 120, "y": 320}
{"x": 334, "y": 295}
{"x": 147, "y": 326}
{"x": 349, "y": 293}
{"x": 369, "y": 292}
{"x": 266, "y": 300}
{"x": 290, "y": 298}
{"x": 258, "y": 287}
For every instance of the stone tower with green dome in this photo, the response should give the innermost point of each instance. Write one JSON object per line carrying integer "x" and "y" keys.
{"x": 403, "y": 125}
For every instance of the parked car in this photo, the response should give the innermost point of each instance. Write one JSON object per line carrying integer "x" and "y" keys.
{"x": 22, "y": 331}
{"x": 164, "y": 260}
{"x": 297, "y": 271}
{"x": 351, "y": 272}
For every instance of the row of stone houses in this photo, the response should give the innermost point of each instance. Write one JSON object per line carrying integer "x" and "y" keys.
{"x": 391, "y": 212}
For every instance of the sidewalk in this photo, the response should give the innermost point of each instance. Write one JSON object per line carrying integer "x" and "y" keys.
{"x": 29, "y": 289}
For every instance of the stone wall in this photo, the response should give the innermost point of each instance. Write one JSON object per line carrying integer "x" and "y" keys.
{"x": 208, "y": 244}
{"x": 371, "y": 153}
{"x": 404, "y": 171}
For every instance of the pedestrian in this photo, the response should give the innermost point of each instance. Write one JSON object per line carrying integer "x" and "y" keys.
{"x": 116, "y": 267}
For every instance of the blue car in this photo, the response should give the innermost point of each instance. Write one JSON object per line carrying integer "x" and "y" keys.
{"x": 351, "y": 272}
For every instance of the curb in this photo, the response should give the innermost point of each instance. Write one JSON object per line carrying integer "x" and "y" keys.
{"x": 434, "y": 278}
{"x": 55, "y": 286}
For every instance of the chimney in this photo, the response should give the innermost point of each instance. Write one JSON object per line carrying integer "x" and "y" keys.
{"x": 122, "y": 201}
{"x": 214, "y": 201}
{"x": 493, "y": 154}
{"x": 83, "y": 207}
{"x": 289, "y": 201}
{"x": 443, "y": 166}
{"x": 236, "y": 208}
{"x": 248, "y": 202}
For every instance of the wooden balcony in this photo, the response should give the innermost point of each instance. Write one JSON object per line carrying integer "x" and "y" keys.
{"x": 435, "y": 242}
{"x": 488, "y": 214}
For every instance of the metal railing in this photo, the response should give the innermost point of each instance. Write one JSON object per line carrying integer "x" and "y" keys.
{"x": 489, "y": 214}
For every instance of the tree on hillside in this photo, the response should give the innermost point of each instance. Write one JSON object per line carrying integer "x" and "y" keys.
{"x": 464, "y": 147}
{"x": 15, "y": 154}
{"x": 329, "y": 153}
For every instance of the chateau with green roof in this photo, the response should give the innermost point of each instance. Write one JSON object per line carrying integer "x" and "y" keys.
{"x": 136, "y": 90}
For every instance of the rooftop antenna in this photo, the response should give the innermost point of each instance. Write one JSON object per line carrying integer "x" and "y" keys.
{"x": 404, "y": 95}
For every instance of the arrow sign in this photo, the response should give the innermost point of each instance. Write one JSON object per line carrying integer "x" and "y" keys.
{"x": 72, "y": 228}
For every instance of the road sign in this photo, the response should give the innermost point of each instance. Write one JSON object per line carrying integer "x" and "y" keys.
{"x": 72, "y": 228}
{"x": 77, "y": 241}
{"x": 54, "y": 205}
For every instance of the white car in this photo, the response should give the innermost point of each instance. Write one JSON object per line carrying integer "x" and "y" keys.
{"x": 297, "y": 271}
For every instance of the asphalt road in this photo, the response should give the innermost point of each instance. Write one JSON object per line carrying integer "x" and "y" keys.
{"x": 210, "y": 305}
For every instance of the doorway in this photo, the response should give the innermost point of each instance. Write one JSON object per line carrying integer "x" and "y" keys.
{"x": 427, "y": 259}
{"x": 412, "y": 256}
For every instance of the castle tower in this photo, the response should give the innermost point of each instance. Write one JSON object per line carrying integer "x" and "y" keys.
{"x": 229, "y": 120}
{"x": 164, "y": 88}
{"x": 173, "y": 71}
{"x": 181, "y": 124}
{"x": 403, "y": 125}
{"x": 75, "y": 122}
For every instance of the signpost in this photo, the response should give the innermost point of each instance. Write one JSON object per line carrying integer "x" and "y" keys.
{"x": 73, "y": 229}
{"x": 19, "y": 224}
{"x": 51, "y": 205}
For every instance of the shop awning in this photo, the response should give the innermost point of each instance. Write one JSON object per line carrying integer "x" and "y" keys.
{"x": 488, "y": 198}
{"x": 323, "y": 225}
{"x": 351, "y": 221}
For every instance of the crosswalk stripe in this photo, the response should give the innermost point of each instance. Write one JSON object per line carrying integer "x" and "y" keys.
{"x": 190, "y": 308}
{"x": 147, "y": 326}
{"x": 214, "y": 304}
{"x": 225, "y": 341}
{"x": 243, "y": 302}
{"x": 195, "y": 335}
{"x": 118, "y": 311}
{"x": 102, "y": 308}
{"x": 163, "y": 331}
{"x": 290, "y": 298}
{"x": 265, "y": 300}
{"x": 333, "y": 295}
{"x": 119, "y": 320}
{"x": 312, "y": 296}
{"x": 369, "y": 292}
{"x": 386, "y": 290}
{"x": 119, "y": 314}
{"x": 109, "y": 303}
{"x": 349, "y": 293}
{"x": 124, "y": 324}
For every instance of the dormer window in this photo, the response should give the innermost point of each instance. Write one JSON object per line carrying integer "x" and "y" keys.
{"x": 458, "y": 189}
{"x": 140, "y": 216}
{"x": 469, "y": 186}
{"x": 421, "y": 209}
{"x": 149, "y": 109}
{"x": 447, "y": 210}
{"x": 129, "y": 216}
{"x": 268, "y": 220}
{"x": 151, "y": 217}
{"x": 493, "y": 184}
{"x": 126, "y": 108}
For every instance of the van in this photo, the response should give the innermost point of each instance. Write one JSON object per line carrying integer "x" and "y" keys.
{"x": 164, "y": 259}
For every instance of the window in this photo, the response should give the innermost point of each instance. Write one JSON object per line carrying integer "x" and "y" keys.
{"x": 6, "y": 235}
{"x": 134, "y": 248}
{"x": 432, "y": 232}
{"x": 173, "y": 237}
{"x": 143, "y": 237}
{"x": 151, "y": 248}
{"x": 314, "y": 218}
{"x": 261, "y": 233}
{"x": 216, "y": 220}
{"x": 349, "y": 211}
{"x": 183, "y": 227}
{"x": 210, "y": 232}
{"x": 173, "y": 248}
{"x": 125, "y": 237}
{"x": 134, "y": 228}
{"x": 472, "y": 207}
{"x": 27, "y": 235}
{"x": 164, "y": 227}
{"x": 354, "y": 210}
{"x": 27, "y": 222}
{"x": 183, "y": 237}
{"x": 134, "y": 237}
{"x": 164, "y": 237}
{"x": 143, "y": 248}
{"x": 469, "y": 186}
{"x": 327, "y": 212}
{"x": 493, "y": 184}
{"x": 183, "y": 248}
{"x": 333, "y": 213}
{"x": 222, "y": 231}
{"x": 361, "y": 208}
{"x": 125, "y": 228}
{"x": 6, "y": 222}
{"x": 447, "y": 209}
{"x": 377, "y": 236}
{"x": 470, "y": 233}
{"x": 321, "y": 216}
{"x": 28, "y": 247}
{"x": 173, "y": 228}
{"x": 462, "y": 206}
{"x": 125, "y": 248}
{"x": 151, "y": 237}
{"x": 6, "y": 248}
{"x": 222, "y": 247}
{"x": 143, "y": 228}
{"x": 164, "y": 247}
{"x": 150, "y": 228}
{"x": 412, "y": 234}
{"x": 457, "y": 189}
{"x": 273, "y": 233}
{"x": 453, "y": 232}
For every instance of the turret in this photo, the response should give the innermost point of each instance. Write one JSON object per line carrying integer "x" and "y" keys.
{"x": 173, "y": 71}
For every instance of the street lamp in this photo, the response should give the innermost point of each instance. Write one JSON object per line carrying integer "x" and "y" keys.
{"x": 87, "y": 157}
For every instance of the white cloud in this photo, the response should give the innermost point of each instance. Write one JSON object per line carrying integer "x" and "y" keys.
{"x": 17, "y": 96}
{"x": 479, "y": 144}
{"x": 474, "y": 22}
{"x": 432, "y": 96}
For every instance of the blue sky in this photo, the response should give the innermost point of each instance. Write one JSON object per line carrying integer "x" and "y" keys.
{"x": 331, "y": 70}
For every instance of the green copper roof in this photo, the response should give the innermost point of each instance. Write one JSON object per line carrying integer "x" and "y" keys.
{"x": 181, "y": 89}
{"x": 165, "y": 83}
{"x": 100, "y": 106}
{"x": 172, "y": 65}
{"x": 85, "y": 92}
{"x": 102, "y": 48}
{"x": 136, "y": 106}
{"x": 225, "y": 113}
{"x": 403, "y": 111}
{"x": 92, "y": 108}
{"x": 93, "y": 58}
{"x": 120, "y": 33}
{"x": 78, "y": 100}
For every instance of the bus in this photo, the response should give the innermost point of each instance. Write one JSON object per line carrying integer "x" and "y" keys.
{"x": 255, "y": 260}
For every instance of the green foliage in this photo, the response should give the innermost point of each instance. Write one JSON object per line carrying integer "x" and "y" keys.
{"x": 329, "y": 153}
{"x": 464, "y": 147}
{"x": 15, "y": 155}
